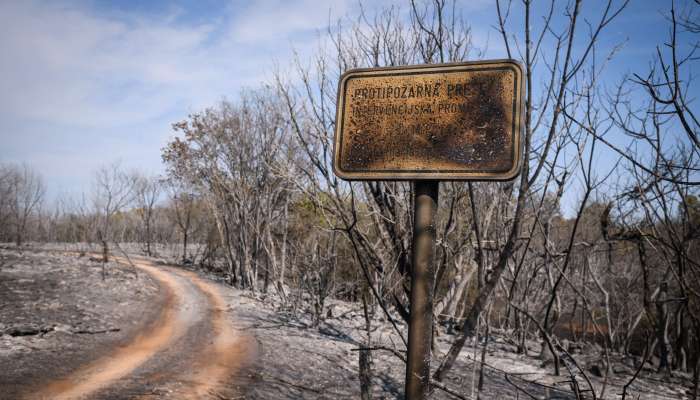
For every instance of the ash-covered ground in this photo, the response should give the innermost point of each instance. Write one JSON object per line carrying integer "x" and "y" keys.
{"x": 57, "y": 312}
{"x": 298, "y": 361}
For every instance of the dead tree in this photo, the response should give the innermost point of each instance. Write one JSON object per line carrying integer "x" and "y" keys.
{"x": 147, "y": 193}
{"x": 183, "y": 206}
{"x": 113, "y": 191}
{"x": 21, "y": 193}
{"x": 570, "y": 64}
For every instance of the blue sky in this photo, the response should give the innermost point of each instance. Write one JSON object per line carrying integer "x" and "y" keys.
{"x": 84, "y": 83}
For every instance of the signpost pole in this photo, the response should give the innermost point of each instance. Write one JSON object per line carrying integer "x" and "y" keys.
{"x": 420, "y": 330}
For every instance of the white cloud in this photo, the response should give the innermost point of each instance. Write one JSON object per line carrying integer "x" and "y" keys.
{"x": 106, "y": 85}
{"x": 267, "y": 20}
{"x": 64, "y": 64}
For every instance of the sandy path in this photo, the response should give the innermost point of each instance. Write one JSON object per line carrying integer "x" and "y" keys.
{"x": 229, "y": 351}
{"x": 194, "y": 321}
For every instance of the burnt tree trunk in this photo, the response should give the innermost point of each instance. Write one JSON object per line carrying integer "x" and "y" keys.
{"x": 365, "y": 362}
{"x": 662, "y": 328}
{"x": 184, "y": 247}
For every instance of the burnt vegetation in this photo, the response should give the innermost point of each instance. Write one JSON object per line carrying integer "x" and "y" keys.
{"x": 595, "y": 245}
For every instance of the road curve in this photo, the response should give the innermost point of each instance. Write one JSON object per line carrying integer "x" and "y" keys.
{"x": 192, "y": 350}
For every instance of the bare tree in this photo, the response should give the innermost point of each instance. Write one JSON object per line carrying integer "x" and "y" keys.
{"x": 5, "y": 195}
{"x": 656, "y": 196}
{"x": 113, "y": 191}
{"x": 566, "y": 67}
{"x": 182, "y": 204}
{"x": 22, "y": 193}
{"x": 147, "y": 194}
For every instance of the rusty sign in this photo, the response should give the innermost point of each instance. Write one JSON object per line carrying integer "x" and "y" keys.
{"x": 445, "y": 122}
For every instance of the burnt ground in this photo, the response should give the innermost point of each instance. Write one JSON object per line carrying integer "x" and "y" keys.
{"x": 299, "y": 361}
{"x": 146, "y": 331}
{"x": 56, "y": 313}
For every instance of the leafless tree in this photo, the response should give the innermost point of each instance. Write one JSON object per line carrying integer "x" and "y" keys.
{"x": 5, "y": 192}
{"x": 147, "y": 193}
{"x": 22, "y": 193}
{"x": 113, "y": 191}
{"x": 657, "y": 194}
{"x": 182, "y": 206}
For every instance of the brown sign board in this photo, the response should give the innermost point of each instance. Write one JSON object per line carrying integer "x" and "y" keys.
{"x": 458, "y": 121}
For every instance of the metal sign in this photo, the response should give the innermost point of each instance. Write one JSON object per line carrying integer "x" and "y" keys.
{"x": 440, "y": 122}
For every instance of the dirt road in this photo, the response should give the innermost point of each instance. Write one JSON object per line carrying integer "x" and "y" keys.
{"x": 191, "y": 350}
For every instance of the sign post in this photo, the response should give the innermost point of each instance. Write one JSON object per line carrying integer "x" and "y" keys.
{"x": 420, "y": 327}
{"x": 428, "y": 123}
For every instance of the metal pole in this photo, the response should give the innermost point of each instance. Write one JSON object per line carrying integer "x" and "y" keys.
{"x": 420, "y": 329}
